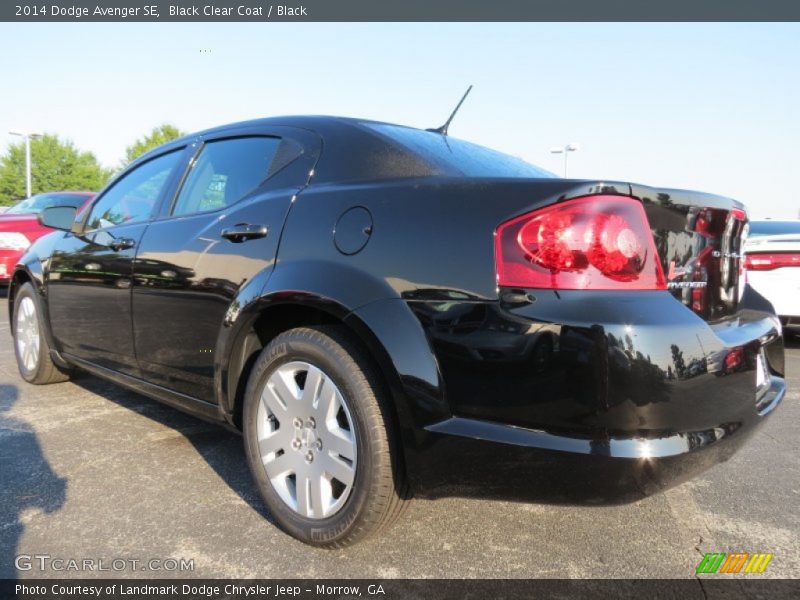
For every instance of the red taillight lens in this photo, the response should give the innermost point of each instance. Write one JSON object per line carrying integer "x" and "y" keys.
{"x": 703, "y": 223}
{"x": 596, "y": 242}
{"x": 734, "y": 359}
{"x": 739, "y": 214}
{"x": 771, "y": 260}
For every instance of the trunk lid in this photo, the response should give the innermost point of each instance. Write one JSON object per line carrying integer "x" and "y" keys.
{"x": 700, "y": 242}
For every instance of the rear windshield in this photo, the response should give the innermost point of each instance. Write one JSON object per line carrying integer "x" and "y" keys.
{"x": 758, "y": 228}
{"x": 453, "y": 155}
{"x": 36, "y": 204}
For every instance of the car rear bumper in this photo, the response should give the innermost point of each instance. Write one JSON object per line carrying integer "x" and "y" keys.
{"x": 495, "y": 460}
{"x": 532, "y": 473}
{"x": 633, "y": 393}
{"x": 781, "y": 287}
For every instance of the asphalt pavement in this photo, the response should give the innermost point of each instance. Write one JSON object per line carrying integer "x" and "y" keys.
{"x": 91, "y": 471}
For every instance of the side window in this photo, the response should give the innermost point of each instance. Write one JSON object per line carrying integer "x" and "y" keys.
{"x": 133, "y": 198}
{"x": 225, "y": 172}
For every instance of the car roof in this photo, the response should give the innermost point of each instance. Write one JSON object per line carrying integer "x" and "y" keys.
{"x": 324, "y": 125}
{"x": 354, "y": 151}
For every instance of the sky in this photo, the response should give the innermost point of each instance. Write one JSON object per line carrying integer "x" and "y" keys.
{"x": 711, "y": 107}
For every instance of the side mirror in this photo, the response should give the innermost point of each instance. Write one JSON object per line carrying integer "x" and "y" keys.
{"x": 58, "y": 217}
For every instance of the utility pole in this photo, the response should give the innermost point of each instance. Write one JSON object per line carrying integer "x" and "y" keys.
{"x": 565, "y": 150}
{"x": 28, "y": 136}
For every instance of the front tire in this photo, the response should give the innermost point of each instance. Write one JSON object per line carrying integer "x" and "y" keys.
{"x": 320, "y": 438}
{"x": 30, "y": 344}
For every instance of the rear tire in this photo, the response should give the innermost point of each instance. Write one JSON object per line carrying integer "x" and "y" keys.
{"x": 30, "y": 344}
{"x": 316, "y": 419}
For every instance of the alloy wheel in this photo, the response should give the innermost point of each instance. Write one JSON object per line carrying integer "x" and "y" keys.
{"x": 27, "y": 334}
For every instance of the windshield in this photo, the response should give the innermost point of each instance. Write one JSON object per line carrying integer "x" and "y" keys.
{"x": 758, "y": 228}
{"x": 36, "y": 204}
{"x": 465, "y": 158}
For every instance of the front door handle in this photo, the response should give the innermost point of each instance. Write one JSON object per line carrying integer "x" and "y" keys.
{"x": 242, "y": 232}
{"x": 122, "y": 244}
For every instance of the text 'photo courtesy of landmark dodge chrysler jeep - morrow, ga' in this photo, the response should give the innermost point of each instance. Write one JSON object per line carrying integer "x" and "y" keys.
{"x": 386, "y": 312}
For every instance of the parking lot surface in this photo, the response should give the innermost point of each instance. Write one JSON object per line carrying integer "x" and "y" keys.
{"x": 92, "y": 471}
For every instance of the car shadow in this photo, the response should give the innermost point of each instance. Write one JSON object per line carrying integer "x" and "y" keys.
{"x": 29, "y": 482}
{"x": 221, "y": 448}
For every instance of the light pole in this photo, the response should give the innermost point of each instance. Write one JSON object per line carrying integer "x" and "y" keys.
{"x": 28, "y": 137}
{"x": 565, "y": 150}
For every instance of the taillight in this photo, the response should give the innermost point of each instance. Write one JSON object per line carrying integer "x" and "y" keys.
{"x": 703, "y": 223}
{"x": 595, "y": 242}
{"x": 772, "y": 260}
{"x": 739, "y": 214}
{"x": 734, "y": 359}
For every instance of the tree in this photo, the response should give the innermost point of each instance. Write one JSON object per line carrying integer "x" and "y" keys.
{"x": 159, "y": 135}
{"x": 56, "y": 165}
{"x": 677, "y": 360}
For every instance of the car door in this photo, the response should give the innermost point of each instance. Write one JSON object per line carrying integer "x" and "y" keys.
{"x": 89, "y": 280}
{"x": 221, "y": 229}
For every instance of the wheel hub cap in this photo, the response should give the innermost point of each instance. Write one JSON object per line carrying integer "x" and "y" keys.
{"x": 307, "y": 440}
{"x": 27, "y": 334}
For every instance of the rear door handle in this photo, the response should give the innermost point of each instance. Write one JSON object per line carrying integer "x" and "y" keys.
{"x": 242, "y": 232}
{"x": 122, "y": 244}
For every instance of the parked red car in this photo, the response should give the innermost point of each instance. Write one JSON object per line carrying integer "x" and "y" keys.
{"x": 20, "y": 227}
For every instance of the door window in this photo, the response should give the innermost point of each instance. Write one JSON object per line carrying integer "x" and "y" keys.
{"x": 225, "y": 172}
{"x": 132, "y": 199}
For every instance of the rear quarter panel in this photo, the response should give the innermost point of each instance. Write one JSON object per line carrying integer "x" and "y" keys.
{"x": 429, "y": 236}
{"x": 567, "y": 361}
{"x": 431, "y": 240}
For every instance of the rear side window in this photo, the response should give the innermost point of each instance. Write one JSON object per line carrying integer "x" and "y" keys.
{"x": 132, "y": 198}
{"x": 225, "y": 172}
{"x": 452, "y": 155}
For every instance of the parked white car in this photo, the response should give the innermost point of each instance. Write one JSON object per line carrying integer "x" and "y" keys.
{"x": 773, "y": 265}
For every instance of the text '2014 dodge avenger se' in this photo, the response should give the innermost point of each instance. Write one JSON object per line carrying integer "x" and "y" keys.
{"x": 385, "y": 311}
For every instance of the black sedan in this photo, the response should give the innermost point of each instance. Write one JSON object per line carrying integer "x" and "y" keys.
{"x": 385, "y": 311}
